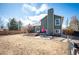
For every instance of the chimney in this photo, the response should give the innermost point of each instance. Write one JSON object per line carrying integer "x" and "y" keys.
{"x": 50, "y": 11}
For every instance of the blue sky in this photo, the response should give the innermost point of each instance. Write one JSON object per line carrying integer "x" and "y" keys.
{"x": 32, "y": 13}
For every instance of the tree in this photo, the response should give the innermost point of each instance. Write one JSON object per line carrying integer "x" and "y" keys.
{"x": 19, "y": 25}
{"x": 74, "y": 23}
{"x": 1, "y": 24}
{"x": 68, "y": 32}
{"x": 30, "y": 28}
{"x": 2, "y": 27}
{"x": 12, "y": 25}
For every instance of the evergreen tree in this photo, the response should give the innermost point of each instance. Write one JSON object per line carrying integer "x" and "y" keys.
{"x": 19, "y": 25}
{"x": 12, "y": 25}
{"x": 1, "y": 23}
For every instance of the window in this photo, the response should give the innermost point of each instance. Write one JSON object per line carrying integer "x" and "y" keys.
{"x": 57, "y": 30}
{"x": 57, "y": 22}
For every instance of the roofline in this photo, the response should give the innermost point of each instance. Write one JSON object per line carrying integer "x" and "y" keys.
{"x": 44, "y": 17}
{"x": 54, "y": 15}
{"x": 59, "y": 15}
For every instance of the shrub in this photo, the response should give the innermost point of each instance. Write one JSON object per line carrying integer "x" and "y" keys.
{"x": 30, "y": 29}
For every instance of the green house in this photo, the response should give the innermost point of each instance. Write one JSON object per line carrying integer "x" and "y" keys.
{"x": 52, "y": 23}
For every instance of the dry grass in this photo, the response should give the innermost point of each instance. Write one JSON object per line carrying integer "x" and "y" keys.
{"x": 26, "y": 45}
{"x": 7, "y": 32}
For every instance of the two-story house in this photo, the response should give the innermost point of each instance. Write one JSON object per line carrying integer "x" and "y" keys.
{"x": 52, "y": 23}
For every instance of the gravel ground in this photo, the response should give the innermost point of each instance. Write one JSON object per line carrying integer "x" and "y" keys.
{"x": 29, "y": 45}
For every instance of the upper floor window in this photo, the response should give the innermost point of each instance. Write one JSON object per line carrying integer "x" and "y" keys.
{"x": 57, "y": 22}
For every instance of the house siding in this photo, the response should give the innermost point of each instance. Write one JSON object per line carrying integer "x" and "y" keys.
{"x": 50, "y": 22}
{"x": 57, "y": 26}
{"x": 61, "y": 21}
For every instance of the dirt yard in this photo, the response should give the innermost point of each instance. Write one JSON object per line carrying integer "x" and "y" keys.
{"x": 27, "y": 45}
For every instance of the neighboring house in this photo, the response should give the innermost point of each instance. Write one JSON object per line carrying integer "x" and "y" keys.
{"x": 37, "y": 28}
{"x": 52, "y": 23}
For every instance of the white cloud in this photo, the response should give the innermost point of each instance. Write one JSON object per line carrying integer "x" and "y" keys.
{"x": 28, "y": 8}
{"x": 43, "y": 8}
{"x": 4, "y": 22}
{"x": 25, "y": 21}
{"x": 34, "y": 20}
